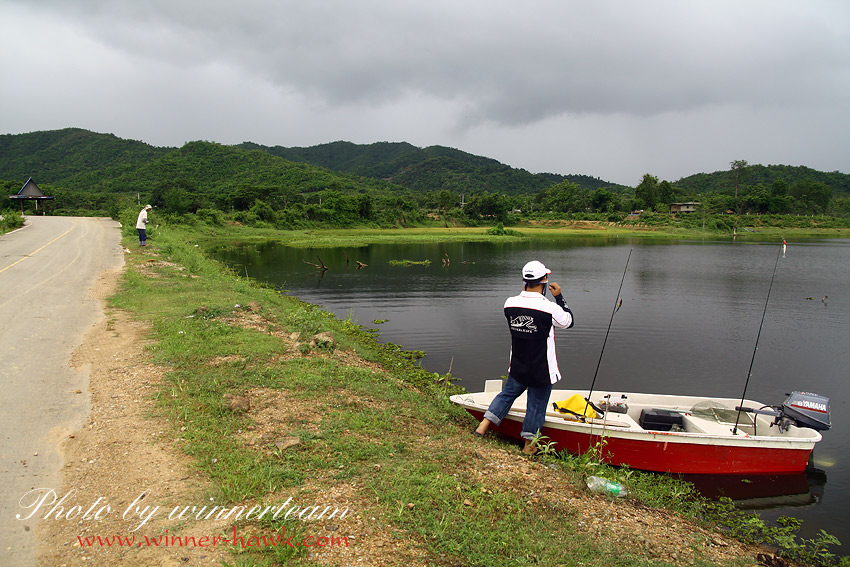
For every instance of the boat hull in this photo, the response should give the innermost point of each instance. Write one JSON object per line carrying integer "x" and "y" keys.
{"x": 656, "y": 453}
{"x": 687, "y": 452}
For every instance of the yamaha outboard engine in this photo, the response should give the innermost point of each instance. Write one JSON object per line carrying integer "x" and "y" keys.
{"x": 805, "y": 410}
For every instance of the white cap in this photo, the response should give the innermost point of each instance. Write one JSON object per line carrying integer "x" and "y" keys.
{"x": 148, "y": 207}
{"x": 534, "y": 270}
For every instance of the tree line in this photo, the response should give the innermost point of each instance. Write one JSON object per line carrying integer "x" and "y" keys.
{"x": 100, "y": 174}
{"x": 337, "y": 204}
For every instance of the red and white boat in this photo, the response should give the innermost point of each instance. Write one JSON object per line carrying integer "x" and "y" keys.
{"x": 678, "y": 434}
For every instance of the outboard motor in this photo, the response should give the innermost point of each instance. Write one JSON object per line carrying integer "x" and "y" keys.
{"x": 801, "y": 409}
{"x": 805, "y": 410}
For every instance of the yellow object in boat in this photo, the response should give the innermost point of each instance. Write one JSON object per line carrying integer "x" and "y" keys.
{"x": 575, "y": 405}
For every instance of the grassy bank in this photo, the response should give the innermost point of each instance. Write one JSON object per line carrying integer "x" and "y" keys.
{"x": 9, "y": 221}
{"x": 329, "y": 238}
{"x": 272, "y": 407}
{"x": 749, "y": 229}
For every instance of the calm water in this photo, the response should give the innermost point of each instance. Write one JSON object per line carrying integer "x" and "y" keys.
{"x": 688, "y": 324}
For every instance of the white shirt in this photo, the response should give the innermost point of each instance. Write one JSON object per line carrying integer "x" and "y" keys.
{"x": 143, "y": 219}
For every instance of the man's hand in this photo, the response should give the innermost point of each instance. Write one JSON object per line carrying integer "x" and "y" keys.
{"x": 555, "y": 288}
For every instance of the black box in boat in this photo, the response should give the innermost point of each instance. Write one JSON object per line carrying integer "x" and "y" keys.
{"x": 660, "y": 419}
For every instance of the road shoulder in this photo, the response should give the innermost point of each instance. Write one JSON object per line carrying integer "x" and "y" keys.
{"x": 121, "y": 453}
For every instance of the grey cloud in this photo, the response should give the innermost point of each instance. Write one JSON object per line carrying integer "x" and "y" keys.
{"x": 669, "y": 81}
{"x": 509, "y": 65}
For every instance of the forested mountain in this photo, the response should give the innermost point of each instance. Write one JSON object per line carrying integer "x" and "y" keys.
{"x": 58, "y": 155}
{"x": 362, "y": 178}
{"x": 373, "y": 160}
{"x": 213, "y": 168}
{"x": 765, "y": 175}
{"x": 79, "y": 159}
{"x": 434, "y": 168}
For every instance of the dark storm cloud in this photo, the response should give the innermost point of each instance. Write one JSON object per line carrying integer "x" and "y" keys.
{"x": 509, "y": 62}
{"x": 665, "y": 84}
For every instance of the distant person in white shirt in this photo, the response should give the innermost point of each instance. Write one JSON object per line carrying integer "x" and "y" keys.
{"x": 140, "y": 225}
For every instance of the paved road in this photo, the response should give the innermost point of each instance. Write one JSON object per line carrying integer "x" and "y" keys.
{"x": 47, "y": 270}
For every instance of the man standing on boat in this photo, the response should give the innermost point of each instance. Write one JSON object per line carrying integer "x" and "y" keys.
{"x": 533, "y": 367}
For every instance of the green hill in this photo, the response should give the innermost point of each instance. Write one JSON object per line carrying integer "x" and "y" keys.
{"x": 426, "y": 169}
{"x": 212, "y": 168}
{"x": 83, "y": 160}
{"x": 80, "y": 159}
{"x": 73, "y": 158}
{"x": 59, "y": 155}
{"x": 765, "y": 175}
{"x": 369, "y": 160}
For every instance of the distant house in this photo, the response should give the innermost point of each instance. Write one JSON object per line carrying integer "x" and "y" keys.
{"x": 683, "y": 207}
{"x": 31, "y": 192}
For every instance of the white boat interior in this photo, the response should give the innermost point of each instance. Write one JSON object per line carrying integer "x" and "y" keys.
{"x": 699, "y": 416}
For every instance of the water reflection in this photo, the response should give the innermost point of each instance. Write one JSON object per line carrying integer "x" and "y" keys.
{"x": 690, "y": 316}
{"x": 763, "y": 492}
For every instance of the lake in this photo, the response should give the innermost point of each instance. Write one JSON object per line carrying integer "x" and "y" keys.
{"x": 688, "y": 324}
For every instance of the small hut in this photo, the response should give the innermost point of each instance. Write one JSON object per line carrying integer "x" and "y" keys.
{"x": 31, "y": 192}
{"x": 683, "y": 207}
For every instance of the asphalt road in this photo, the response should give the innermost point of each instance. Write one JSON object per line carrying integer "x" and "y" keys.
{"x": 47, "y": 270}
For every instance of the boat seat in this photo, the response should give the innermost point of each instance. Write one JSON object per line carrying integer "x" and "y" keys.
{"x": 623, "y": 419}
{"x": 697, "y": 424}
{"x": 618, "y": 420}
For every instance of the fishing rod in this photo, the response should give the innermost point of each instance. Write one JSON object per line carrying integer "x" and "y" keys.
{"x": 617, "y": 304}
{"x": 758, "y": 336}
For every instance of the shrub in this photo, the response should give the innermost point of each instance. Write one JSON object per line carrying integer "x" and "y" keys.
{"x": 500, "y": 230}
{"x": 210, "y": 216}
{"x": 11, "y": 220}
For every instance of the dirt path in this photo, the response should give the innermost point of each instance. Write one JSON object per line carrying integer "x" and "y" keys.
{"x": 120, "y": 454}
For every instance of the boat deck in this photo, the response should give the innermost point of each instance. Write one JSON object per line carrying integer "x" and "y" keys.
{"x": 707, "y": 417}
{"x": 691, "y": 423}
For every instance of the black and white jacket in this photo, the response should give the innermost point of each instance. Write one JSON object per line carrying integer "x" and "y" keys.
{"x": 532, "y": 320}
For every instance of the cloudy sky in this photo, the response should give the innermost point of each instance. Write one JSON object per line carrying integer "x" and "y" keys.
{"x": 611, "y": 89}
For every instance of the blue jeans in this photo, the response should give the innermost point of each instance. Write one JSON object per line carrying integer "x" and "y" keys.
{"x": 143, "y": 236}
{"x": 535, "y": 414}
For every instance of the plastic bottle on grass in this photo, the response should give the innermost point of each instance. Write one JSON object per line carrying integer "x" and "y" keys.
{"x": 599, "y": 484}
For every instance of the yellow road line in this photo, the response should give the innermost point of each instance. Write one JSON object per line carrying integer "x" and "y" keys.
{"x": 36, "y": 251}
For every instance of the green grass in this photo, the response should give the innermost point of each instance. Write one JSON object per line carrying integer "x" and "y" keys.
{"x": 659, "y": 226}
{"x": 10, "y": 221}
{"x": 392, "y": 434}
{"x": 329, "y": 238}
